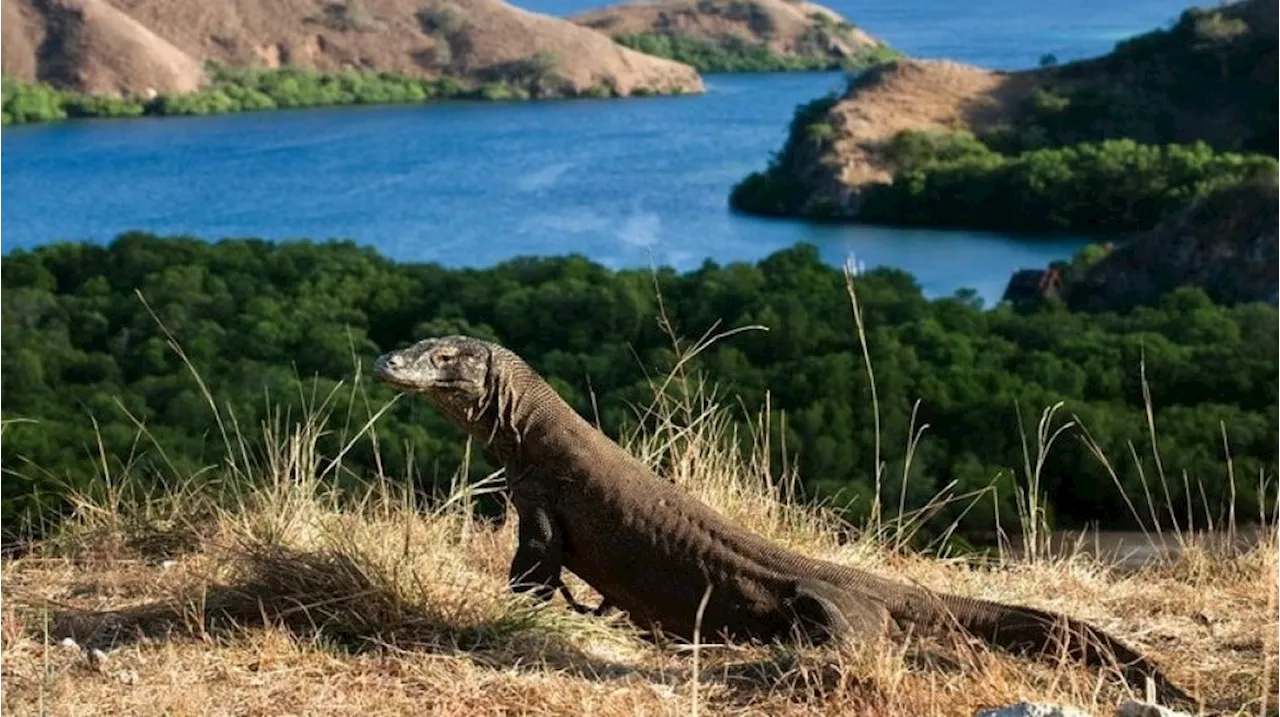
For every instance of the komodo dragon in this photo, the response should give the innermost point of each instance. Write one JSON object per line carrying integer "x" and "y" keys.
{"x": 586, "y": 504}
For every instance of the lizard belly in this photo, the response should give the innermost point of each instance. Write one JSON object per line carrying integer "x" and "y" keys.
{"x": 656, "y": 565}
{"x": 669, "y": 600}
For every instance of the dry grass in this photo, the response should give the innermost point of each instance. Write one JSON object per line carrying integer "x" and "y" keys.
{"x": 298, "y": 600}
{"x": 928, "y": 95}
{"x": 291, "y": 597}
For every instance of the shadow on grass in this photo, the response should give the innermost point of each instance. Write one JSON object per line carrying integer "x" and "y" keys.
{"x": 330, "y": 599}
{"x": 312, "y": 594}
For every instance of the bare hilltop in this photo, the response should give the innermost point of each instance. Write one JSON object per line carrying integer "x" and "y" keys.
{"x": 790, "y": 29}
{"x": 146, "y": 47}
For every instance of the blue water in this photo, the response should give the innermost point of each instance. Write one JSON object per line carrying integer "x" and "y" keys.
{"x": 627, "y": 183}
{"x": 1000, "y": 34}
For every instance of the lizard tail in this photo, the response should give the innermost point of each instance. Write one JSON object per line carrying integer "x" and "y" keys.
{"x": 1039, "y": 632}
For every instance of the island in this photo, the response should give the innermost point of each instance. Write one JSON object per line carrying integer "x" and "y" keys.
{"x": 741, "y": 35}
{"x": 92, "y": 58}
{"x": 1104, "y": 145}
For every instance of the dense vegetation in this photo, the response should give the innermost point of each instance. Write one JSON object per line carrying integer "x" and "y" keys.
{"x": 1210, "y": 76}
{"x": 233, "y": 90}
{"x": 1106, "y": 145}
{"x": 735, "y": 54}
{"x": 78, "y": 347}
{"x": 778, "y": 191}
{"x": 1109, "y": 186}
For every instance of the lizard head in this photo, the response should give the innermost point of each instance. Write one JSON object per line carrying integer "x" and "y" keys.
{"x": 449, "y": 370}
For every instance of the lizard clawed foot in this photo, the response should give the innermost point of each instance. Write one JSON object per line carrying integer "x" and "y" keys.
{"x": 581, "y": 609}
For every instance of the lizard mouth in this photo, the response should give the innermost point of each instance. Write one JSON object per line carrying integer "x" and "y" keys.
{"x": 421, "y": 386}
{"x": 402, "y": 385}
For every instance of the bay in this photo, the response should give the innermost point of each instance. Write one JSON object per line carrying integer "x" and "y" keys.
{"x": 627, "y": 183}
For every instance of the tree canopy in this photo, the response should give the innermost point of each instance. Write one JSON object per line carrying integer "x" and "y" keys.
{"x": 269, "y": 324}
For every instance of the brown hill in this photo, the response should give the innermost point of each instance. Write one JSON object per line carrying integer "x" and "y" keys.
{"x": 918, "y": 95}
{"x": 135, "y": 46}
{"x": 21, "y": 34}
{"x": 887, "y": 99}
{"x": 786, "y": 27}
{"x": 1211, "y": 77}
{"x": 91, "y": 46}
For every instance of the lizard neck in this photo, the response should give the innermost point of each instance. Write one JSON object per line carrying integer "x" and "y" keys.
{"x": 522, "y": 411}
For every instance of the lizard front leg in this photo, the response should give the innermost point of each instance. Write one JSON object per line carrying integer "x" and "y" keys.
{"x": 539, "y": 557}
{"x": 539, "y": 552}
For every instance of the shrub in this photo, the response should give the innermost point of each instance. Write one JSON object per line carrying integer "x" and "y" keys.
{"x": 777, "y": 191}
{"x": 349, "y": 16}
{"x": 102, "y": 106}
{"x": 732, "y": 54}
{"x": 28, "y": 102}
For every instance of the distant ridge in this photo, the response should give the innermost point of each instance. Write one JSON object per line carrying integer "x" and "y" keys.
{"x": 144, "y": 47}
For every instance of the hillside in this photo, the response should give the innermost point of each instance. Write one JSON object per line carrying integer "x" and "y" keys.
{"x": 1225, "y": 244}
{"x": 853, "y": 147}
{"x": 147, "y": 47}
{"x": 1210, "y": 78}
{"x": 727, "y": 35}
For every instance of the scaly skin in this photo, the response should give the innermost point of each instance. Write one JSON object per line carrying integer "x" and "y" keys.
{"x": 586, "y": 505}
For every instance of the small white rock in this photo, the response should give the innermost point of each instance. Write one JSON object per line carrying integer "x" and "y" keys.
{"x": 97, "y": 658}
{"x": 1134, "y": 708}
{"x": 1032, "y": 709}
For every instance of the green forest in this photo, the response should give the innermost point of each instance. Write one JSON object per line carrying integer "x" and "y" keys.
{"x": 247, "y": 90}
{"x": 273, "y": 327}
{"x": 1110, "y": 186}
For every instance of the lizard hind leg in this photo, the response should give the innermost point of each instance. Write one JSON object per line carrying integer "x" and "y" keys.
{"x": 825, "y": 613}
